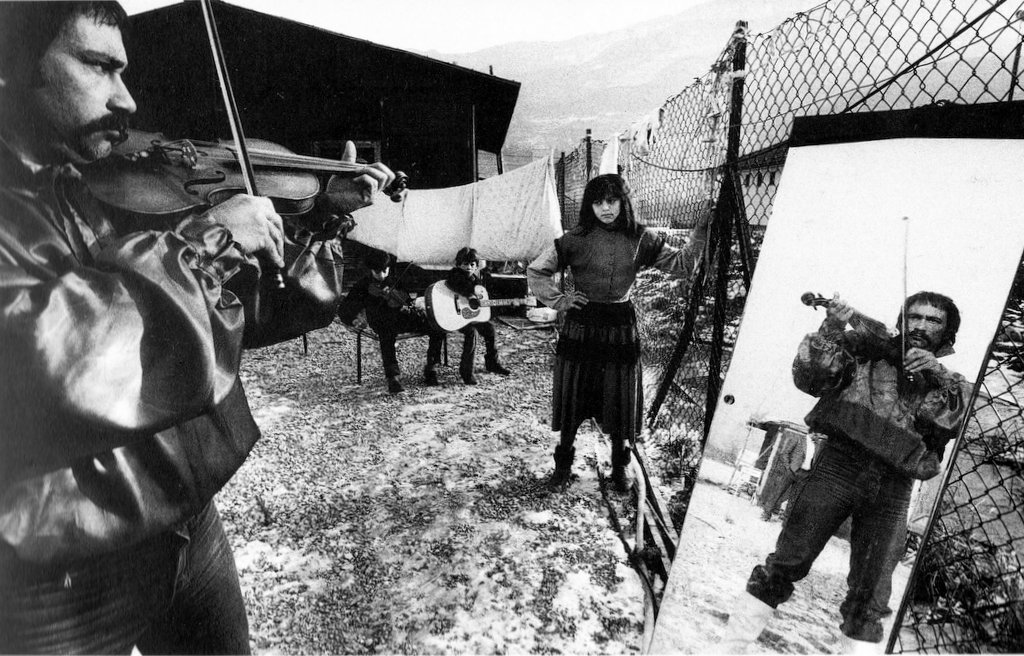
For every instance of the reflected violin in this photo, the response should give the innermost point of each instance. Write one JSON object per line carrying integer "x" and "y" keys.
{"x": 881, "y": 340}
{"x": 872, "y": 326}
{"x": 148, "y": 175}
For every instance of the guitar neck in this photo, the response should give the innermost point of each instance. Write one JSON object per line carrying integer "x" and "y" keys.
{"x": 496, "y": 302}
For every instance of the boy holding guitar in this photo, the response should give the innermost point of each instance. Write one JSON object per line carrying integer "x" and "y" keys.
{"x": 464, "y": 279}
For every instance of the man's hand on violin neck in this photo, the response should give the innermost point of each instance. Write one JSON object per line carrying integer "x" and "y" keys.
{"x": 348, "y": 194}
{"x": 838, "y": 312}
{"x": 254, "y": 225}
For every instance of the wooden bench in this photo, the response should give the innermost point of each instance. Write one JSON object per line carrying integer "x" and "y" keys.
{"x": 369, "y": 334}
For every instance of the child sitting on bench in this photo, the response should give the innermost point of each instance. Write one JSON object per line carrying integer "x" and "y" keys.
{"x": 463, "y": 279}
{"x": 389, "y": 313}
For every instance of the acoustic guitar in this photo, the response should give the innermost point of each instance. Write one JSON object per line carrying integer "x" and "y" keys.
{"x": 449, "y": 310}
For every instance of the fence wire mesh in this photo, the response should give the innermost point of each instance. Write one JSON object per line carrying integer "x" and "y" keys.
{"x": 720, "y": 146}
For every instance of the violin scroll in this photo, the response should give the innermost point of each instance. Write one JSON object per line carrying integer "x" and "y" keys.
{"x": 813, "y": 300}
{"x": 858, "y": 319}
{"x": 396, "y": 190}
{"x": 882, "y": 335}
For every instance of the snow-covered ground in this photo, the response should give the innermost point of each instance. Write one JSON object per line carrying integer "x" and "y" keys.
{"x": 366, "y": 522}
{"x": 722, "y": 540}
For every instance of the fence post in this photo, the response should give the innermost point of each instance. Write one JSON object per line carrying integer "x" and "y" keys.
{"x": 727, "y": 210}
{"x": 728, "y": 207}
{"x": 732, "y": 150}
{"x": 560, "y": 183}
{"x": 1016, "y": 69}
{"x": 589, "y": 161}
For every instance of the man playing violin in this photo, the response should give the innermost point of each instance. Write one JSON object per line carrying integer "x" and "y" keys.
{"x": 121, "y": 409}
{"x": 386, "y": 310}
{"x": 888, "y": 407}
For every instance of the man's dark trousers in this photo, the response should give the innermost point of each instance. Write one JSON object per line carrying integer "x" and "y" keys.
{"x": 846, "y": 481}
{"x": 175, "y": 593}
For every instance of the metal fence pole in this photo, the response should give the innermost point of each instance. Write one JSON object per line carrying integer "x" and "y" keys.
{"x": 1016, "y": 70}
{"x": 561, "y": 188}
{"x": 726, "y": 213}
{"x": 589, "y": 155}
{"x": 732, "y": 150}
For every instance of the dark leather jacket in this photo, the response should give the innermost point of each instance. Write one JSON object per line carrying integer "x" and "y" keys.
{"x": 121, "y": 409}
{"x": 864, "y": 398}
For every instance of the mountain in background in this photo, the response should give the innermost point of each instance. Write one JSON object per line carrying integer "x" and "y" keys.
{"x": 608, "y": 81}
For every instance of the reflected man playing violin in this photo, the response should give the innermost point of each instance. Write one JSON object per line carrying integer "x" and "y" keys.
{"x": 889, "y": 408}
{"x": 121, "y": 409}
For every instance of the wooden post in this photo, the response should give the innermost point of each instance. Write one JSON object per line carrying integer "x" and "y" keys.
{"x": 472, "y": 141}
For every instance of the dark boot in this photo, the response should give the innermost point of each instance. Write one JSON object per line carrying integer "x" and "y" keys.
{"x": 430, "y": 377}
{"x": 562, "y": 475}
{"x": 620, "y": 459}
{"x": 395, "y": 385}
{"x": 492, "y": 365}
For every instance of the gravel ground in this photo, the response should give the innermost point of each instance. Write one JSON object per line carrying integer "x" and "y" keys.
{"x": 370, "y": 523}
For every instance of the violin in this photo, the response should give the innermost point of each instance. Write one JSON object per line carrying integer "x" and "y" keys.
{"x": 880, "y": 339}
{"x": 148, "y": 175}
{"x": 169, "y": 179}
{"x": 867, "y": 324}
{"x": 396, "y": 298}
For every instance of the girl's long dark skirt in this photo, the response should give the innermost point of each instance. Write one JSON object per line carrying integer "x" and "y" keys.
{"x": 597, "y": 370}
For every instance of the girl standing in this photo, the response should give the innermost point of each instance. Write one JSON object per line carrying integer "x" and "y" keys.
{"x": 597, "y": 366}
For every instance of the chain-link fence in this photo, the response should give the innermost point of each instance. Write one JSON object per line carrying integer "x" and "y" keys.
{"x": 720, "y": 145}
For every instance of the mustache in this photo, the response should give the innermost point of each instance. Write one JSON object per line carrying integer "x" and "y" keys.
{"x": 919, "y": 334}
{"x": 113, "y": 122}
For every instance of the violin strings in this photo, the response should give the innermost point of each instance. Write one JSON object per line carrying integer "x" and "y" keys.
{"x": 271, "y": 158}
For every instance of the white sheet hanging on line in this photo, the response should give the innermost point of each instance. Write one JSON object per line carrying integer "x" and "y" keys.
{"x": 610, "y": 156}
{"x": 516, "y": 214}
{"x": 512, "y": 216}
{"x": 437, "y": 224}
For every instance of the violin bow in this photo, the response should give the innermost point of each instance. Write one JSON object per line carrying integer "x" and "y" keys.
{"x": 903, "y": 314}
{"x": 244, "y": 161}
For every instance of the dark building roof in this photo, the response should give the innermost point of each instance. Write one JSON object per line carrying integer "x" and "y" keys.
{"x": 300, "y": 85}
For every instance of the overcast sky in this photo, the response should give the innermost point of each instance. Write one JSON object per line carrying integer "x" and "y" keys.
{"x": 458, "y": 26}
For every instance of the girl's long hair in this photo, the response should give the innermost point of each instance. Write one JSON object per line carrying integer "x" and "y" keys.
{"x": 605, "y": 186}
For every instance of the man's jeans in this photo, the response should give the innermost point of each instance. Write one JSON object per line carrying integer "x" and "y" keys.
{"x": 846, "y": 481}
{"x": 169, "y": 594}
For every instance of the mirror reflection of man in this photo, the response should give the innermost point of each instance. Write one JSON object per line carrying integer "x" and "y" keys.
{"x": 121, "y": 409}
{"x": 888, "y": 420}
